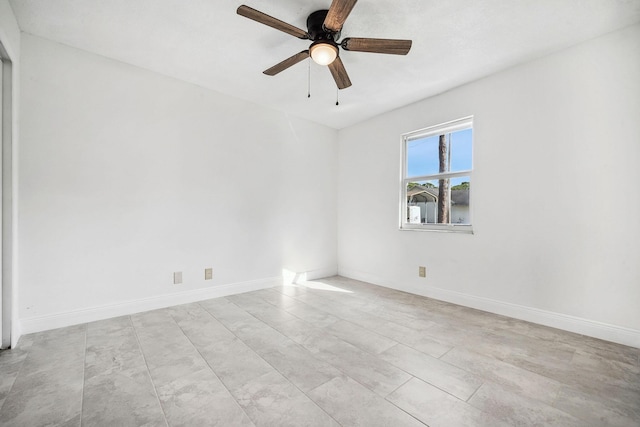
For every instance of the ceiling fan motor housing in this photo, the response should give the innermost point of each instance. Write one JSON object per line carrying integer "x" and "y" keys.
{"x": 315, "y": 27}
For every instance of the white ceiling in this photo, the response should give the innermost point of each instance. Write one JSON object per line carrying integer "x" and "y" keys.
{"x": 205, "y": 42}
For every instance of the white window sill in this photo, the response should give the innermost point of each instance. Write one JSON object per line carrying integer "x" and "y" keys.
{"x": 438, "y": 228}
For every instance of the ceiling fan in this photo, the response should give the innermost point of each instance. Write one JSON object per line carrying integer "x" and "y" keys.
{"x": 323, "y": 29}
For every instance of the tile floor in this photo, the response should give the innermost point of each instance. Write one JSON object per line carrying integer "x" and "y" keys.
{"x": 334, "y": 352}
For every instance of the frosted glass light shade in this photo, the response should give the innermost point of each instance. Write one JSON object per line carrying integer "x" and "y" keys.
{"x": 323, "y": 53}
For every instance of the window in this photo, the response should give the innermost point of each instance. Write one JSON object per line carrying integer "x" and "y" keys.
{"x": 436, "y": 177}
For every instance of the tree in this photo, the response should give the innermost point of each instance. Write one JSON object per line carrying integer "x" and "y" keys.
{"x": 463, "y": 186}
{"x": 443, "y": 184}
{"x": 412, "y": 185}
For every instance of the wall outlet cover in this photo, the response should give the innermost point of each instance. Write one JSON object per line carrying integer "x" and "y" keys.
{"x": 177, "y": 277}
{"x": 422, "y": 271}
{"x": 208, "y": 273}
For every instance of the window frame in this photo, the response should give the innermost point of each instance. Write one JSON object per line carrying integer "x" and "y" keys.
{"x": 443, "y": 128}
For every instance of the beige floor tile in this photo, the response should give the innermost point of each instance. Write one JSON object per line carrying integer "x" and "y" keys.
{"x": 452, "y": 379}
{"x": 437, "y": 408}
{"x": 351, "y": 404}
{"x": 504, "y": 404}
{"x": 329, "y": 352}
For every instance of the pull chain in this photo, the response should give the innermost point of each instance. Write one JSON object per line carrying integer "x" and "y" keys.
{"x": 309, "y": 78}
{"x": 337, "y": 96}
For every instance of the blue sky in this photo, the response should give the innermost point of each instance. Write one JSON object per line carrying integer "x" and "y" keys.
{"x": 422, "y": 155}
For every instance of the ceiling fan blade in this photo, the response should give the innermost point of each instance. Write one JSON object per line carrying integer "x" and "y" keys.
{"x": 265, "y": 19}
{"x": 339, "y": 74}
{"x": 300, "y": 56}
{"x": 338, "y": 13}
{"x": 390, "y": 46}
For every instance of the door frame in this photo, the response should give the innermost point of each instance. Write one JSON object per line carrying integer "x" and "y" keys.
{"x": 6, "y": 176}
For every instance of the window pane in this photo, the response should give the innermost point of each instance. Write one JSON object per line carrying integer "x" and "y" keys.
{"x": 461, "y": 150}
{"x": 444, "y": 201}
{"x": 422, "y": 156}
{"x": 460, "y": 189}
{"x": 422, "y": 197}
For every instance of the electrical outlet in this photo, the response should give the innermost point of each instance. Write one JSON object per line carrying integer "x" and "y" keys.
{"x": 177, "y": 277}
{"x": 208, "y": 273}
{"x": 422, "y": 271}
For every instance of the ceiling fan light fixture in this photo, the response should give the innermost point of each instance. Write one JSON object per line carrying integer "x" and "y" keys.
{"x": 323, "y": 52}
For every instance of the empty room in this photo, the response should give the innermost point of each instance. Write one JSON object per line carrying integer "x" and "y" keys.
{"x": 320, "y": 213}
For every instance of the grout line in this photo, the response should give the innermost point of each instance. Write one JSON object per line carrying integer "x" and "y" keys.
{"x": 396, "y": 389}
{"x": 474, "y": 392}
{"x": 503, "y": 362}
{"x": 209, "y": 365}
{"x": 155, "y": 390}
{"x": 445, "y": 353}
{"x": 428, "y": 382}
{"x": 346, "y": 374}
{"x": 407, "y": 412}
{"x": 390, "y": 363}
{"x": 365, "y": 299}
{"x": 267, "y": 362}
{"x": 84, "y": 370}
{"x": 399, "y": 407}
{"x": 368, "y": 329}
{"x": 556, "y": 396}
{"x": 28, "y": 352}
{"x": 325, "y": 329}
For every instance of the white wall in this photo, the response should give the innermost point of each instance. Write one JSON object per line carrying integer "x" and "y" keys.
{"x": 127, "y": 176}
{"x": 10, "y": 39}
{"x": 9, "y": 30}
{"x": 556, "y": 159}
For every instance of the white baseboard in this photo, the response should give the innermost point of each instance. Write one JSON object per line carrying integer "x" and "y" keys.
{"x": 604, "y": 331}
{"x": 76, "y": 317}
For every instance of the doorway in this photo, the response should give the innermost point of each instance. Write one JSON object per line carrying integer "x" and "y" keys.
{"x": 6, "y": 188}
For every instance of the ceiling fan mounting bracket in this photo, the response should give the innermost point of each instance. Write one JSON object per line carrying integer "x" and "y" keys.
{"x": 316, "y": 29}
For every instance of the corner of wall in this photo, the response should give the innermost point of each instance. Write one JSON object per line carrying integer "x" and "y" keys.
{"x": 10, "y": 37}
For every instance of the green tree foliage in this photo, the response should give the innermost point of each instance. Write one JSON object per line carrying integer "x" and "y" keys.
{"x": 412, "y": 185}
{"x": 463, "y": 186}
